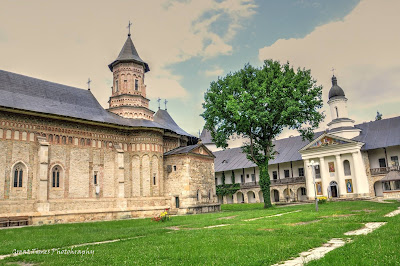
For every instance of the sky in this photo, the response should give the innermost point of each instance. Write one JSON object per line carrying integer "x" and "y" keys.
{"x": 189, "y": 44}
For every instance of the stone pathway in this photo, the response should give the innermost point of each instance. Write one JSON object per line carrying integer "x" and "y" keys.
{"x": 334, "y": 243}
{"x": 214, "y": 226}
{"x": 315, "y": 253}
{"x": 368, "y": 228}
{"x": 393, "y": 213}
{"x": 276, "y": 215}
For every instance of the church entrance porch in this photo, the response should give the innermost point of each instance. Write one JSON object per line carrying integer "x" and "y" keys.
{"x": 333, "y": 190}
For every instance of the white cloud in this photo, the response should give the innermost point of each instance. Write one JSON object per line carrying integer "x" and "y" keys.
{"x": 67, "y": 44}
{"x": 214, "y": 72}
{"x": 363, "y": 47}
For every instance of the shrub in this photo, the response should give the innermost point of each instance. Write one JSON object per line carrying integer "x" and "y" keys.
{"x": 322, "y": 200}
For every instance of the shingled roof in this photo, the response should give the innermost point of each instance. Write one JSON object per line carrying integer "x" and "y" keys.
{"x": 205, "y": 136}
{"x": 128, "y": 53}
{"x": 379, "y": 134}
{"x": 162, "y": 117}
{"x": 286, "y": 151}
{"x": 40, "y": 96}
{"x": 375, "y": 135}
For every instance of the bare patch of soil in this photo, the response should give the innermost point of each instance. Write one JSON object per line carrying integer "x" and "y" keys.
{"x": 227, "y": 217}
{"x": 338, "y": 215}
{"x": 304, "y": 223}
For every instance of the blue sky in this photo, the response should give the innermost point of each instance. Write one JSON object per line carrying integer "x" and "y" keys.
{"x": 188, "y": 44}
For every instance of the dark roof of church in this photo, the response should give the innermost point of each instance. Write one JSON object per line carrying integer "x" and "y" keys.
{"x": 205, "y": 136}
{"x": 186, "y": 149}
{"x": 379, "y": 134}
{"x": 376, "y": 134}
{"x": 287, "y": 150}
{"x": 31, "y": 94}
{"x": 162, "y": 117}
{"x": 335, "y": 90}
{"x": 128, "y": 53}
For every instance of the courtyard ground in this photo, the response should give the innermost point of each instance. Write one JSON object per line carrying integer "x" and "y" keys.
{"x": 241, "y": 234}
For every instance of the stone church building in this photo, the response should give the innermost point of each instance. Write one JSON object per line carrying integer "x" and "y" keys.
{"x": 350, "y": 161}
{"x": 65, "y": 158}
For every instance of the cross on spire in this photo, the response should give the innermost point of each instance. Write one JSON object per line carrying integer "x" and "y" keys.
{"x": 333, "y": 71}
{"x": 165, "y": 102}
{"x": 88, "y": 84}
{"x": 159, "y": 100}
{"x": 129, "y": 28}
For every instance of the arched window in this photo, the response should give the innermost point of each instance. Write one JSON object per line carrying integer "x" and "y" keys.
{"x": 56, "y": 176}
{"x": 64, "y": 140}
{"x": 18, "y": 175}
{"x": 82, "y": 142}
{"x": 337, "y": 112}
{"x": 209, "y": 195}
{"x": 346, "y": 166}
{"x": 136, "y": 85}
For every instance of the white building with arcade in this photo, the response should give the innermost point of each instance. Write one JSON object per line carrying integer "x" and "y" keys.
{"x": 353, "y": 161}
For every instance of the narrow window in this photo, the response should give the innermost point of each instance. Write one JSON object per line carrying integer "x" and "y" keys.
{"x": 136, "y": 84}
{"x": 275, "y": 175}
{"x": 198, "y": 195}
{"x": 174, "y": 167}
{"x": 253, "y": 177}
{"x": 82, "y": 142}
{"x": 56, "y": 177}
{"x": 301, "y": 171}
{"x": 346, "y": 166}
{"x": 209, "y": 195}
{"x": 95, "y": 177}
{"x": 286, "y": 173}
{"x": 177, "y": 202}
{"x": 317, "y": 172}
{"x": 382, "y": 162}
{"x": 241, "y": 178}
{"x": 303, "y": 191}
{"x": 395, "y": 160}
{"x": 64, "y": 140}
{"x": 18, "y": 175}
{"x": 337, "y": 112}
{"x": 154, "y": 179}
{"x": 116, "y": 86}
{"x": 247, "y": 176}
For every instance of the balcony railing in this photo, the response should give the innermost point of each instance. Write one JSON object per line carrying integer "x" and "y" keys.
{"x": 291, "y": 180}
{"x": 384, "y": 170}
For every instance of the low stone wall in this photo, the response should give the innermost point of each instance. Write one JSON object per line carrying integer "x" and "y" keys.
{"x": 82, "y": 210}
{"x": 202, "y": 209}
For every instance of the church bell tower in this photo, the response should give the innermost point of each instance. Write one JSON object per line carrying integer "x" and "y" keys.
{"x": 128, "y": 98}
{"x": 341, "y": 125}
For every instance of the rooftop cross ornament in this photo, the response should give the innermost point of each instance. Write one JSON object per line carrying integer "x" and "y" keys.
{"x": 165, "y": 102}
{"x": 159, "y": 100}
{"x": 88, "y": 84}
{"x": 129, "y": 28}
{"x": 333, "y": 71}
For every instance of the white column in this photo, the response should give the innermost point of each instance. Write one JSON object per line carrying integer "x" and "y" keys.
{"x": 323, "y": 176}
{"x": 309, "y": 180}
{"x": 359, "y": 175}
{"x": 340, "y": 176}
{"x": 42, "y": 205}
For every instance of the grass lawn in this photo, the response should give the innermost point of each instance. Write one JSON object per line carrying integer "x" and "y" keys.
{"x": 257, "y": 242}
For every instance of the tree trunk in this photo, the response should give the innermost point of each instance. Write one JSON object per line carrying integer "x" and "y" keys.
{"x": 265, "y": 183}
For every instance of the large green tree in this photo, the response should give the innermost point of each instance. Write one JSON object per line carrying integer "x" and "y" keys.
{"x": 258, "y": 103}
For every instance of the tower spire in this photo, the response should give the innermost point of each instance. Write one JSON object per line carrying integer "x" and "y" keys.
{"x": 129, "y": 28}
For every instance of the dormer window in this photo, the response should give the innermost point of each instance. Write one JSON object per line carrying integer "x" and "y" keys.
{"x": 136, "y": 85}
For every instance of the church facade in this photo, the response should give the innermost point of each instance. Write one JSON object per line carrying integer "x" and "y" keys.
{"x": 347, "y": 161}
{"x": 65, "y": 158}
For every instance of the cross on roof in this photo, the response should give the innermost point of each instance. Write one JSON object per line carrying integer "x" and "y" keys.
{"x": 159, "y": 100}
{"x": 88, "y": 83}
{"x": 165, "y": 102}
{"x": 129, "y": 28}
{"x": 333, "y": 71}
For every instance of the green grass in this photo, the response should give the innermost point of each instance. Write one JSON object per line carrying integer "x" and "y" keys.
{"x": 261, "y": 242}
